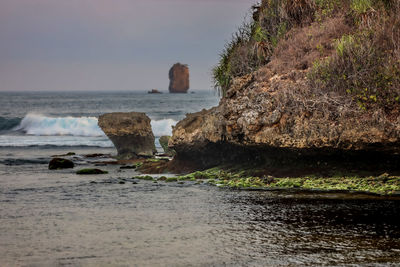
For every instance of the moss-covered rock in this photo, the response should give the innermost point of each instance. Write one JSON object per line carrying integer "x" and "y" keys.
{"x": 382, "y": 185}
{"x": 60, "y": 163}
{"x": 146, "y": 177}
{"x": 162, "y": 178}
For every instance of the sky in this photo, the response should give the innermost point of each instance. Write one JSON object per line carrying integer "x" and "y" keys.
{"x": 65, "y": 45}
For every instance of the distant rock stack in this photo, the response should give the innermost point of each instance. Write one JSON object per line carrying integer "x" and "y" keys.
{"x": 179, "y": 78}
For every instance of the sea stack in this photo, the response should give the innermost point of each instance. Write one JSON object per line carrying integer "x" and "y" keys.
{"x": 130, "y": 133}
{"x": 179, "y": 78}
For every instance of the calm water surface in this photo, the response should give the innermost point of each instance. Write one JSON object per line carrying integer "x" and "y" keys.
{"x": 59, "y": 218}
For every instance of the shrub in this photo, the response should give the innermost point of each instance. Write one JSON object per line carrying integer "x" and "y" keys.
{"x": 361, "y": 6}
{"x": 361, "y": 69}
{"x": 253, "y": 44}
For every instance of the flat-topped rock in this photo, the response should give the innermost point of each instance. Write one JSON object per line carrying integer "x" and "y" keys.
{"x": 179, "y": 78}
{"x": 130, "y": 133}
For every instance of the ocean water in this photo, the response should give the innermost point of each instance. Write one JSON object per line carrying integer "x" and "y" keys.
{"x": 70, "y": 119}
{"x": 57, "y": 218}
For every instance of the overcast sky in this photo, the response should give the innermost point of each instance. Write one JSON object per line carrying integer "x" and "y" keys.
{"x": 112, "y": 44}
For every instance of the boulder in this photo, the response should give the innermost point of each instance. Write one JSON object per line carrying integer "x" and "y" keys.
{"x": 60, "y": 163}
{"x": 179, "y": 78}
{"x": 130, "y": 133}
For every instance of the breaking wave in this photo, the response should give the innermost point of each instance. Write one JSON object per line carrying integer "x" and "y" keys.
{"x": 162, "y": 127}
{"x": 41, "y": 125}
{"x": 35, "y": 124}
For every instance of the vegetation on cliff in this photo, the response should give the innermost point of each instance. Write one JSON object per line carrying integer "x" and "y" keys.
{"x": 359, "y": 60}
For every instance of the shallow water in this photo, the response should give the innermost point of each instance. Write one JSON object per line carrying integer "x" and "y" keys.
{"x": 59, "y": 218}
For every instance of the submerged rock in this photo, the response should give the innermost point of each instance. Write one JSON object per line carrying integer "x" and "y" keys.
{"x": 130, "y": 133}
{"x": 60, "y": 163}
{"x": 179, "y": 78}
{"x": 91, "y": 171}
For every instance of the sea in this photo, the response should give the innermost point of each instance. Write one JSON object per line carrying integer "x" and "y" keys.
{"x": 59, "y": 218}
{"x": 66, "y": 119}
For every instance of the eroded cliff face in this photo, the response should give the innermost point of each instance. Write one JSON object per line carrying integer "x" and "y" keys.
{"x": 310, "y": 97}
{"x": 265, "y": 115}
{"x": 179, "y": 78}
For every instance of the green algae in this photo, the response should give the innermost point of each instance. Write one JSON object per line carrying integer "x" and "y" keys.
{"x": 383, "y": 184}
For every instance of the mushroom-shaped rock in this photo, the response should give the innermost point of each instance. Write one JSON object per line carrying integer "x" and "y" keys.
{"x": 130, "y": 133}
{"x": 179, "y": 78}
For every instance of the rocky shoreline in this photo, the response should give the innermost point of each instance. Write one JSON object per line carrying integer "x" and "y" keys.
{"x": 301, "y": 101}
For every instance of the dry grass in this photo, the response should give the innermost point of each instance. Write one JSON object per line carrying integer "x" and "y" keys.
{"x": 366, "y": 65}
{"x": 302, "y": 46}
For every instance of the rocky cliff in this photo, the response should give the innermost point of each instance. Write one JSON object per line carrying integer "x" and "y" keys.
{"x": 130, "y": 132}
{"x": 179, "y": 78}
{"x": 304, "y": 100}
{"x": 261, "y": 120}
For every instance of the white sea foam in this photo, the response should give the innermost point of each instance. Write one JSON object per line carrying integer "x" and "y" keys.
{"x": 162, "y": 127}
{"x": 36, "y": 124}
{"x": 69, "y": 131}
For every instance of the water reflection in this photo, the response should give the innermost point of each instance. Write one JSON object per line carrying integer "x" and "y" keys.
{"x": 314, "y": 231}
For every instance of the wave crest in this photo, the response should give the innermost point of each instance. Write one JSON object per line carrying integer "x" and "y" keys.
{"x": 35, "y": 124}
{"x": 41, "y": 125}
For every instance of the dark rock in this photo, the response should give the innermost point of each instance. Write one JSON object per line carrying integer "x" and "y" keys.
{"x": 60, "y": 163}
{"x": 154, "y": 91}
{"x": 130, "y": 133}
{"x": 179, "y": 78}
{"x": 91, "y": 171}
{"x": 97, "y": 155}
{"x": 128, "y": 167}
